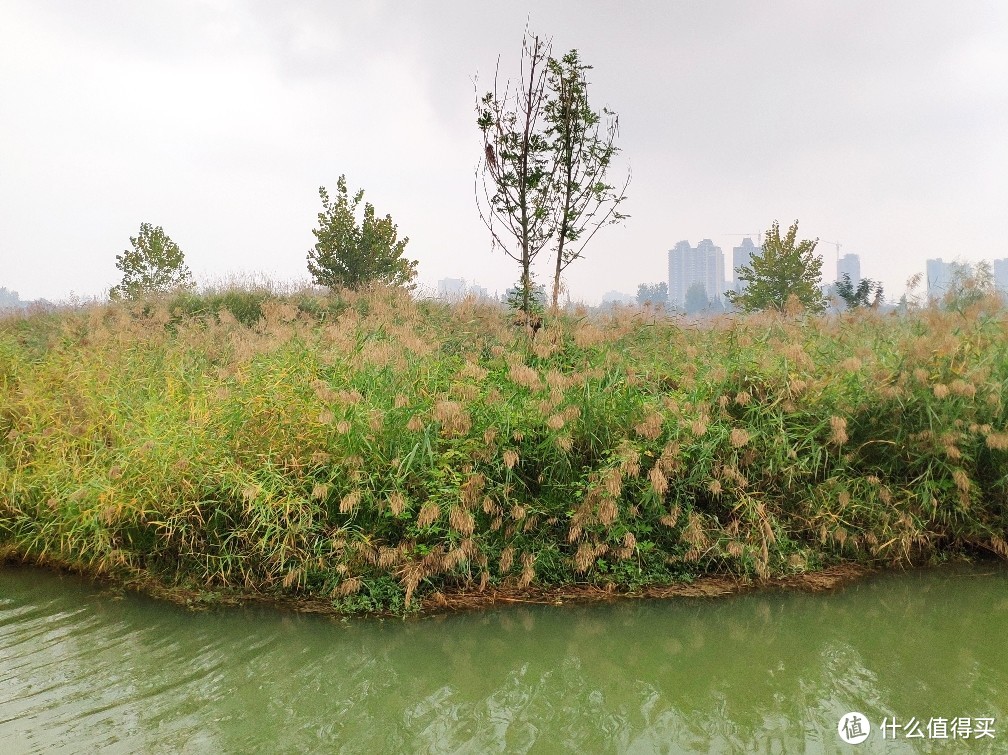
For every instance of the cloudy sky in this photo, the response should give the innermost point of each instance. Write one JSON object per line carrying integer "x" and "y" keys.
{"x": 878, "y": 125}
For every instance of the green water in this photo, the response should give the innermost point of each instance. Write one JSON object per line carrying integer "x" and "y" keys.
{"x": 84, "y": 669}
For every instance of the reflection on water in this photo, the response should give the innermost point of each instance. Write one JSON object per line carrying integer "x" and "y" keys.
{"x": 81, "y": 668}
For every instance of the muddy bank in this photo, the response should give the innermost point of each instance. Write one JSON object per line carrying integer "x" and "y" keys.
{"x": 447, "y": 601}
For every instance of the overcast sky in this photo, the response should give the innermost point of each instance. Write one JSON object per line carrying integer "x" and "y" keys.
{"x": 879, "y": 125}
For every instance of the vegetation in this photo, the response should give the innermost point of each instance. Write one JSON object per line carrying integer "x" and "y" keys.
{"x": 9, "y": 299}
{"x": 529, "y": 300}
{"x": 546, "y": 155}
{"x": 583, "y": 152}
{"x": 867, "y": 293}
{"x": 370, "y": 450}
{"x": 348, "y": 254}
{"x": 969, "y": 286}
{"x": 655, "y": 294}
{"x": 518, "y": 159}
{"x": 154, "y": 266}
{"x": 696, "y": 299}
{"x": 786, "y": 270}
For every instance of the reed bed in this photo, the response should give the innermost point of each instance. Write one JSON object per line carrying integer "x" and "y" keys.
{"x": 371, "y": 450}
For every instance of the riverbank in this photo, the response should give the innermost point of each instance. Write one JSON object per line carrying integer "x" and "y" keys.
{"x": 461, "y": 599}
{"x": 374, "y": 454}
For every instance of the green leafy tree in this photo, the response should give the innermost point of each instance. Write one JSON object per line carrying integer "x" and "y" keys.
{"x": 868, "y": 293}
{"x": 583, "y": 149}
{"x": 351, "y": 254}
{"x": 655, "y": 294}
{"x": 785, "y": 268}
{"x": 154, "y": 266}
{"x": 517, "y": 200}
{"x": 696, "y": 299}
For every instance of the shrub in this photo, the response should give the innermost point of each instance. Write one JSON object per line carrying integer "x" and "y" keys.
{"x": 351, "y": 255}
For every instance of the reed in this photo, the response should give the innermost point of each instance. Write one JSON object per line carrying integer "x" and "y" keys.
{"x": 369, "y": 449}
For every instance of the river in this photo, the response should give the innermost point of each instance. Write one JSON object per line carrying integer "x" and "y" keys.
{"x": 84, "y": 668}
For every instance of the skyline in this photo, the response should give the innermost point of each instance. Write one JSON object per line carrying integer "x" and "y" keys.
{"x": 878, "y": 126}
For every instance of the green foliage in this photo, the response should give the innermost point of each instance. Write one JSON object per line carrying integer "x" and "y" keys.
{"x": 868, "y": 292}
{"x": 418, "y": 448}
{"x": 786, "y": 268}
{"x": 696, "y": 299}
{"x": 546, "y": 155}
{"x": 244, "y": 306}
{"x": 518, "y": 200}
{"x": 349, "y": 254}
{"x": 656, "y": 294}
{"x": 154, "y": 266}
{"x": 529, "y": 297}
{"x": 583, "y": 151}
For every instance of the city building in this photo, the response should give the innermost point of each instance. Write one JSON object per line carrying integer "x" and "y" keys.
{"x": 1000, "y": 270}
{"x": 451, "y": 288}
{"x": 456, "y": 289}
{"x": 741, "y": 256}
{"x": 851, "y": 265}
{"x": 940, "y": 275}
{"x": 688, "y": 265}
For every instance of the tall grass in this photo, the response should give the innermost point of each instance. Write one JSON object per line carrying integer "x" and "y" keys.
{"x": 372, "y": 449}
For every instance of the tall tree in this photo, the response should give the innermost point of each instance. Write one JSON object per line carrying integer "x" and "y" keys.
{"x": 352, "y": 254}
{"x": 518, "y": 167}
{"x": 154, "y": 265}
{"x": 583, "y": 148}
{"x": 785, "y": 268}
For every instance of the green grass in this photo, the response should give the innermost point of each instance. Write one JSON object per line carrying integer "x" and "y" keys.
{"x": 371, "y": 450}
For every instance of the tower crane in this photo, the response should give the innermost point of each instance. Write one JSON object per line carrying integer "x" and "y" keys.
{"x": 837, "y": 245}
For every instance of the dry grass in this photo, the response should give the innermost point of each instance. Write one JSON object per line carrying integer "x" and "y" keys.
{"x": 368, "y": 449}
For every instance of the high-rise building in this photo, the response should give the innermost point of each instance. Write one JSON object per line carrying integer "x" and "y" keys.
{"x": 457, "y": 289}
{"x": 741, "y": 256}
{"x": 689, "y": 265}
{"x": 451, "y": 288}
{"x": 850, "y": 264}
{"x": 940, "y": 275}
{"x": 1000, "y": 270}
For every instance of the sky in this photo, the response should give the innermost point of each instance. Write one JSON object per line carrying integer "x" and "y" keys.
{"x": 879, "y": 125}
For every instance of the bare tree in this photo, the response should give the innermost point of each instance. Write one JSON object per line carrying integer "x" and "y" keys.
{"x": 518, "y": 171}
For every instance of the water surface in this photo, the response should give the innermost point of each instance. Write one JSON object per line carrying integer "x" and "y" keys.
{"x": 83, "y": 668}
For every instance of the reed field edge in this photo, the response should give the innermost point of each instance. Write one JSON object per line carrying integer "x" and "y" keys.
{"x": 372, "y": 451}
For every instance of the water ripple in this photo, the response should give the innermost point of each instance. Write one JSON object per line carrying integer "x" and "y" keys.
{"x": 81, "y": 669}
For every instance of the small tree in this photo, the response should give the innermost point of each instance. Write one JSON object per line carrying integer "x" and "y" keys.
{"x": 517, "y": 200}
{"x": 696, "y": 299}
{"x": 532, "y": 303}
{"x": 785, "y": 268}
{"x": 154, "y": 266}
{"x": 867, "y": 294}
{"x": 583, "y": 151}
{"x": 351, "y": 255}
{"x": 655, "y": 294}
